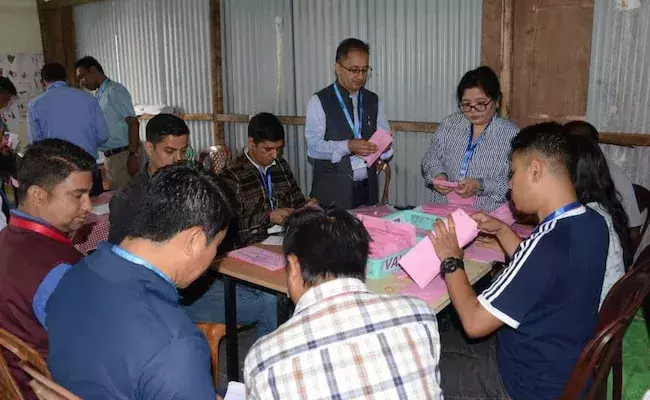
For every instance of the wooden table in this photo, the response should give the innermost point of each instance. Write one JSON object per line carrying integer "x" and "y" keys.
{"x": 234, "y": 271}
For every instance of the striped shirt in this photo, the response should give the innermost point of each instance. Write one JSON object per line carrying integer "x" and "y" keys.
{"x": 490, "y": 160}
{"x": 548, "y": 300}
{"x": 345, "y": 342}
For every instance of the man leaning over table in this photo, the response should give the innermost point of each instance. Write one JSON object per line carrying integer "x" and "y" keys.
{"x": 53, "y": 200}
{"x": 121, "y": 149}
{"x": 339, "y": 121}
{"x": 115, "y": 328}
{"x": 343, "y": 341}
{"x": 544, "y": 305}
{"x": 168, "y": 141}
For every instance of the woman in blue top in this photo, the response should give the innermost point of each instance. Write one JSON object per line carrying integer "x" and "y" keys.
{"x": 472, "y": 147}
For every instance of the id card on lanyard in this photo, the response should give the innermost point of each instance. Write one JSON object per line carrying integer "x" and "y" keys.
{"x": 268, "y": 185}
{"x": 469, "y": 151}
{"x": 356, "y": 162}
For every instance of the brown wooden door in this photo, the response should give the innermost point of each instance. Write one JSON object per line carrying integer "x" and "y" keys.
{"x": 551, "y": 50}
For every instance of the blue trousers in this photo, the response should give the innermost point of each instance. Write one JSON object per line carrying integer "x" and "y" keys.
{"x": 253, "y": 306}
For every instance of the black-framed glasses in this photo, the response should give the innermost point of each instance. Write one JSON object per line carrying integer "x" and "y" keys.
{"x": 480, "y": 107}
{"x": 367, "y": 72}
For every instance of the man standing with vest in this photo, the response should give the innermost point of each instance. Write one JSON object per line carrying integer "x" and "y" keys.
{"x": 340, "y": 120}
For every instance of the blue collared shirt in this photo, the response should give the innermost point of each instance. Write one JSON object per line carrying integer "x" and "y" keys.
{"x": 116, "y": 104}
{"x": 69, "y": 114}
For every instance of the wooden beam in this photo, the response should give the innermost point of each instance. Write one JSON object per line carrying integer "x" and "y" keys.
{"x": 56, "y": 4}
{"x": 625, "y": 139}
{"x": 216, "y": 70}
{"x": 507, "y": 35}
{"x": 491, "y": 34}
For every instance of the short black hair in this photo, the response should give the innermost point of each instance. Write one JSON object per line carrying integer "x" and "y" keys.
{"x": 87, "y": 62}
{"x": 550, "y": 140}
{"x": 349, "y": 45}
{"x": 179, "y": 197}
{"x": 52, "y": 72}
{"x": 163, "y": 125}
{"x": 582, "y": 128}
{"x": 327, "y": 243}
{"x": 49, "y": 162}
{"x": 7, "y": 86}
{"x": 483, "y": 78}
{"x": 265, "y": 126}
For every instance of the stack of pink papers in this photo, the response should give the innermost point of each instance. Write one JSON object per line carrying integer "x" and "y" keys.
{"x": 522, "y": 230}
{"x": 477, "y": 252}
{"x": 374, "y": 211}
{"x": 260, "y": 257}
{"x": 442, "y": 210}
{"x": 504, "y": 213}
{"x": 454, "y": 198}
{"x": 382, "y": 139}
{"x": 422, "y": 263}
{"x": 445, "y": 183}
{"x": 388, "y": 237}
{"x": 432, "y": 292}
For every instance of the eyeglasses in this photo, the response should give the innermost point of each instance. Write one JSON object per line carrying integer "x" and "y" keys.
{"x": 480, "y": 107}
{"x": 354, "y": 71}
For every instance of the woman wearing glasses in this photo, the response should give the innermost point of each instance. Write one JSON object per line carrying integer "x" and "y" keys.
{"x": 471, "y": 148}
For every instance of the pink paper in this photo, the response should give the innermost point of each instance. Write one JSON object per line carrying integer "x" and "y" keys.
{"x": 374, "y": 211}
{"x": 454, "y": 198}
{"x": 260, "y": 257}
{"x": 382, "y": 139}
{"x": 442, "y": 210}
{"x": 522, "y": 230}
{"x": 432, "y": 292}
{"x": 445, "y": 183}
{"x": 477, "y": 252}
{"x": 504, "y": 213}
{"x": 422, "y": 263}
{"x": 388, "y": 237}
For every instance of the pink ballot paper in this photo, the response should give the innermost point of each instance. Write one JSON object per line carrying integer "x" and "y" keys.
{"x": 422, "y": 263}
{"x": 261, "y": 257}
{"x": 504, "y": 214}
{"x": 382, "y": 139}
{"x": 444, "y": 183}
{"x": 454, "y": 198}
{"x": 387, "y": 237}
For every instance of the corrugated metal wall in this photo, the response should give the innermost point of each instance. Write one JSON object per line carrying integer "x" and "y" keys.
{"x": 419, "y": 51}
{"x": 158, "y": 49}
{"x": 619, "y": 81}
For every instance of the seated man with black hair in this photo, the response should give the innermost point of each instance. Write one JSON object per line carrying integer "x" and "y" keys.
{"x": 168, "y": 141}
{"x": 343, "y": 341}
{"x": 261, "y": 185}
{"x": 115, "y": 327}
{"x": 544, "y": 306}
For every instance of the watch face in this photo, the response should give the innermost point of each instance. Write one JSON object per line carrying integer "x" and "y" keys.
{"x": 450, "y": 265}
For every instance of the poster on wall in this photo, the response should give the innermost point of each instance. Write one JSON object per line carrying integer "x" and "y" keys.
{"x": 24, "y": 70}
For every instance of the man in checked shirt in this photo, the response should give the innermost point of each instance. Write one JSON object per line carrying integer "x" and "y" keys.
{"x": 343, "y": 341}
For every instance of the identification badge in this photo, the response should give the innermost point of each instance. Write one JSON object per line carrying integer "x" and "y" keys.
{"x": 357, "y": 163}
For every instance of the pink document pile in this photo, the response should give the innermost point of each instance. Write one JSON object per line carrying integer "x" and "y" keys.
{"x": 504, "y": 213}
{"x": 445, "y": 183}
{"x": 522, "y": 230}
{"x": 374, "y": 211}
{"x": 388, "y": 237}
{"x": 442, "y": 210}
{"x": 454, "y": 198}
{"x": 477, "y": 252}
{"x": 422, "y": 263}
{"x": 260, "y": 257}
{"x": 432, "y": 292}
{"x": 382, "y": 139}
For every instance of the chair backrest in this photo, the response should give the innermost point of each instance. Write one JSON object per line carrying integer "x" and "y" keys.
{"x": 616, "y": 314}
{"x": 382, "y": 165}
{"x": 8, "y": 386}
{"x": 643, "y": 200}
{"x": 23, "y": 351}
{"x": 216, "y": 157}
{"x": 45, "y": 388}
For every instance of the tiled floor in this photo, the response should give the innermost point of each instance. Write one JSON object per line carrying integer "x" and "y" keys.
{"x": 246, "y": 340}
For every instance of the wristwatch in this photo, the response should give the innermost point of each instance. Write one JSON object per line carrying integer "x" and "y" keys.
{"x": 451, "y": 264}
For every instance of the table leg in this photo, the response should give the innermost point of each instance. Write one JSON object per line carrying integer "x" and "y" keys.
{"x": 232, "y": 351}
{"x": 285, "y": 308}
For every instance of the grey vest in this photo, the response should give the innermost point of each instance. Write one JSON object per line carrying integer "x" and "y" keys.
{"x": 332, "y": 184}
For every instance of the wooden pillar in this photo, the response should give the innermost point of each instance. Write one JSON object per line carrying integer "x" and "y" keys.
{"x": 507, "y": 34}
{"x": 217, "y": 79}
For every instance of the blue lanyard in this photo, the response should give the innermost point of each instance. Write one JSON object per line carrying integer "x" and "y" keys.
{"x": 137, "y": 260}
{"x": 356, "y": 127}
{"x": 55, "y": 85}
{"x": 101, "y": 89}
{"x": 469, "y": 151}
{"x": 267, "y": 185}
{"x": 562, "y": 210}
